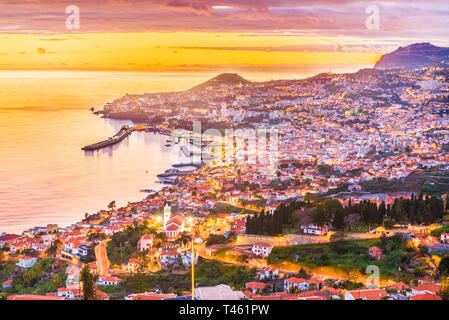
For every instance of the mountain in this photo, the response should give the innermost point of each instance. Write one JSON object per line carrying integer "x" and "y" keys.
{"x": 415, "y": 56}
{"x": 224, "y": 78}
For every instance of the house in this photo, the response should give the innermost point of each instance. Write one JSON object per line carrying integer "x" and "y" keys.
{"x": 301, "y": 284}
{"x": 399, "y": 286}
{"x": 68, "y": 293}
{"x": 219, "y": 292}
{"x": 262, "y": 249}
{"x": 315, "y": 230}
{"x": 149, "y": 296}
{"x": 426, "y": 296}
{"x": 34, "y": 297}
{"x": 7, "y": 239}
{"x": 366, "y": 294}
{"x": 26, "y": 262}
{"x": 145, "y": 242}
{"x": 267, "y": 273}
{"x": 83, "y": 251}
{"x": 375, "y": 252}
{"x": 7, "y": 284}
{"x": 108, "y": 281}
{"x": 132, "y": 265}
{"x": 255, "y": 286}
{"x": 425, "y": 288}
{"x": 102, "y": 296}
{"x": 18, "y": 246}
{"x": 445, "y": 237}
{"x": 272, "y": 209}
{"x": 169, "y": 257}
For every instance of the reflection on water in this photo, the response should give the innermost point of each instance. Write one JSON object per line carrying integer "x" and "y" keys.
{"x": 45, "y": 177}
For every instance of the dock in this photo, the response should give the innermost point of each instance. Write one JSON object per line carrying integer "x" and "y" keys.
{"x": 118, "y": 137}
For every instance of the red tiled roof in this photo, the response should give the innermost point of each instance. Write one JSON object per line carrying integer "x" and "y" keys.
{"x": 369, "y": 294}
{"x": 428, "y": 287}
{"x": 426, "y": 296}
{"x": 33, "y": 297}
{"x": 256, "y": 285}
{"x": 263, "y": 244}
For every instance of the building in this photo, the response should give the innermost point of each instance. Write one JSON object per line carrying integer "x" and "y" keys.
{"x": 426, "y": 296}
{"x": 145, "y": 242}
{"x": 26, "y": 262}
{"x": 108, "y": 281}
{"x": 301, "y": 284}
{"x": 366, "y": 294}
{"x": 255, "y": 286}
{"x": 375, "y": 252}
{"x": 315, "y": 230}
{"x": 267, "y": 273}
{"x": 33, "y": 297}
{"x": 69, "y": 293}
{"x": 175, "y": 227}
{"x": 7, "y": 284}
{"x": 219, "y": 292}
{"x": 167, "y": 215}
{"x": 262, "y": 249}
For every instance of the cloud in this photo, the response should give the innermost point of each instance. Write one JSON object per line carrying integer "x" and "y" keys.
{"x": 43, "y": 51}
{"x": 400, "y": 20}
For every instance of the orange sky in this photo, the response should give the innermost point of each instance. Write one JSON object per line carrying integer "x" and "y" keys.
{"x": 157, "y": 51}
{"x": 211, "y": 35}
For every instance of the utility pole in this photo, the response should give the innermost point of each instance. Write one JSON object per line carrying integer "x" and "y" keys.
{"x": 193, "y": 273}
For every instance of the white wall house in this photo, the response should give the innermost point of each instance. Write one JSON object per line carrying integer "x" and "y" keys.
{"x": 26, "y": 262}
{"x": 262, "y": 249}
{"x": 315, "y": 230}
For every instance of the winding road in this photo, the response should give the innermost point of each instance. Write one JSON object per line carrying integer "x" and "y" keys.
{"x": 102, "y": 259}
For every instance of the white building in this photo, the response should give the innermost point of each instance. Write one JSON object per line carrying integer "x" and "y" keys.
{"x": 26, "y": 262}
{"x": 262, "y": 249}
{"x": 316, "y": 230}
{"x": 145, "y": 242}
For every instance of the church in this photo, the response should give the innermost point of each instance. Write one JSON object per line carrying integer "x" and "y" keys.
{"x": 173, "y": 227}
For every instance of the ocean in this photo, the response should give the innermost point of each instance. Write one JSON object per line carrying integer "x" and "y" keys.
{"x": 45, "y": 120}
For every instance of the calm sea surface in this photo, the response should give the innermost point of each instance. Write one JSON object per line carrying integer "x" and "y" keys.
{"x": 45, "y": 177}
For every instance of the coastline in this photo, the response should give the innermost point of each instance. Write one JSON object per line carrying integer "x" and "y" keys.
{"x": 147, "y": 191}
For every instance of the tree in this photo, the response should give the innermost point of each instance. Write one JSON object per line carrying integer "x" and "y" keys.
{"x": 339, "y": 220}
{"x": 443, "y": 268}
{"x": 320, "y": 216}
{"x": 444, "y": 293}
{"x": 111, "y": 205}
{"x": 336, "y": 241}
{"x": 88, "y": 280}
{"x": 388, "y": 223}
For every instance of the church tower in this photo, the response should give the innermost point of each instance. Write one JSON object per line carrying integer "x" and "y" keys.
{"x": 167, "y": 214}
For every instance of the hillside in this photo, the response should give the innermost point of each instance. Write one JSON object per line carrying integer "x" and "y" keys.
{"x": 222, "y": 79}
{"x": 414, "y": 56}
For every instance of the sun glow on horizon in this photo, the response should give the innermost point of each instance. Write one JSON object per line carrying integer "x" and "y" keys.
{"x": 174, "y": 51}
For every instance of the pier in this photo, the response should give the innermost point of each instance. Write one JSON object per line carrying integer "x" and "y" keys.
{"x": 118, "y": 137}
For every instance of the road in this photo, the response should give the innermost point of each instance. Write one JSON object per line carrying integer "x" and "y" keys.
{"x": 102, "y": 259}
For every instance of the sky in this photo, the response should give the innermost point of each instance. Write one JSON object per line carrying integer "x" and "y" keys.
{"x": 210, "y": 35}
